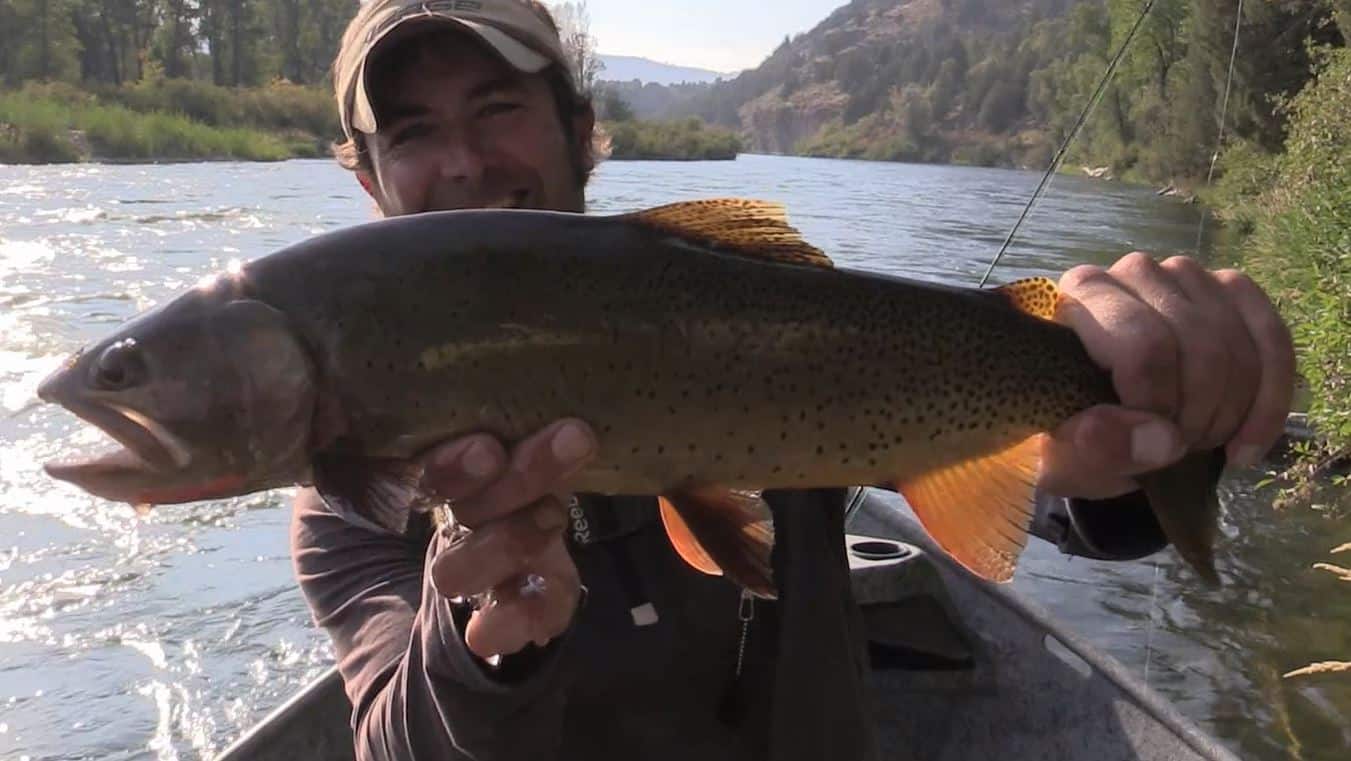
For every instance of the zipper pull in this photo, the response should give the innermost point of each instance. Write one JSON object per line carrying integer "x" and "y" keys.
{"x": 745, "y": 612}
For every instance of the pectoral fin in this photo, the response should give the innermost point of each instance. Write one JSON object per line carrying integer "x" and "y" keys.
{"x": 723, "y": 531}
{"x": 376, "y": 493}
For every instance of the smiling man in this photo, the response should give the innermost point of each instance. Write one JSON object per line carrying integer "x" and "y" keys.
{"x": 599, "y": 641}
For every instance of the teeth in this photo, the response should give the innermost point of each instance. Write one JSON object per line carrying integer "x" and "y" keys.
{"x": 512, "y": 201}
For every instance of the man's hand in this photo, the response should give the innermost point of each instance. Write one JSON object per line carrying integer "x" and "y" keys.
{"x": 515, "y": 506}
{"x": 1199, "y": 360}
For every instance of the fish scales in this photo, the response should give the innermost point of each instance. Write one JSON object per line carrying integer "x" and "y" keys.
{"x": 811, "y": 375}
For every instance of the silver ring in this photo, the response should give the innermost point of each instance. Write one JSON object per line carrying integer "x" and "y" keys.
{"x": 534, "y": 586}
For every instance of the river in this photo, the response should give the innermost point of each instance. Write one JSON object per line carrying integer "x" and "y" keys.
{"x": 164, "y": 637}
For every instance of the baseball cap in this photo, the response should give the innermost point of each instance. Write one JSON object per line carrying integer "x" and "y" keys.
{"x": 512, "y": 28}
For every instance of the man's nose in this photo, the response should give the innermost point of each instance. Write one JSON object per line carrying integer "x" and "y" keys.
{"x": 463, "y": 160}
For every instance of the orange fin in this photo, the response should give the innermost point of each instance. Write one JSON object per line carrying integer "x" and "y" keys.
{"x": 723, "y": 531}
{"x": 980, "y": 510}
{"x": 1037, "y": 296}
{"x": 735, "y": 225}
{"x": 685, "y": 542}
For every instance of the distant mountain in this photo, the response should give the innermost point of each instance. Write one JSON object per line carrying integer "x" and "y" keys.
{"x": 623, "y": 68}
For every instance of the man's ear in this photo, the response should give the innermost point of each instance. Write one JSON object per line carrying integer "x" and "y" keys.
{"x": 367, "y": 183}
{"x": 584, "y": 127}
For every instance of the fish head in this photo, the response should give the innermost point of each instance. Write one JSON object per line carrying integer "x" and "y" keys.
{"x": 210, "y": 396}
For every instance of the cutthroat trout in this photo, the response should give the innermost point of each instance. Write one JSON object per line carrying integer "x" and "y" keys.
{"x": 713, "y": 350}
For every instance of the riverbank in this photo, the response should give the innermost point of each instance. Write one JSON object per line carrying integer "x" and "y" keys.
{"x": 172, "y": 120}
{"x": 1292, "y": 214}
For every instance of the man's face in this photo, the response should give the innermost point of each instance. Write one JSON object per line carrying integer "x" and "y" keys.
{"x": 459, "y": 128}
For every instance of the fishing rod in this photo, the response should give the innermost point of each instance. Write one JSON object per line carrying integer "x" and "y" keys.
{"x": 1224, "y": 117}
{"x": 1065, "y": 144}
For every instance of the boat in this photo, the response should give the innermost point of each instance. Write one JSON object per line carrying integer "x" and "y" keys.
{"x": 961, "y": 669}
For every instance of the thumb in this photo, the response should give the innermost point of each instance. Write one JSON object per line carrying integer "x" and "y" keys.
{"x": 1095, "y": 453}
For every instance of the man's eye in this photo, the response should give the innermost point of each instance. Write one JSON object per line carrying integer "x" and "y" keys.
{"x": 496, "y": 109}
{"x": 409, "y": 132}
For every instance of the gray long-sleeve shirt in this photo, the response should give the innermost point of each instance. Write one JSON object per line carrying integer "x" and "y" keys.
{"x": 619, "y": 684}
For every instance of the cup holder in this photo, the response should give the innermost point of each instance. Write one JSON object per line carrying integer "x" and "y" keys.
{"x": 876, "y": 549}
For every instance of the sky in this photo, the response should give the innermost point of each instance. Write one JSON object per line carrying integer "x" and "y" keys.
{"x": 722, "y": 35}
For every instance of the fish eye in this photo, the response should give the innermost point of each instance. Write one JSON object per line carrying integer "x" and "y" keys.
{"x": 119, "y": 367}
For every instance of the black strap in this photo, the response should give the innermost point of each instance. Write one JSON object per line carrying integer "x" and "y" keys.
{"x": 602, "y": 525}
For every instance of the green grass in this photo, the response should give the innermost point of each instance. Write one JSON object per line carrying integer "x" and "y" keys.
{"x": 683, "y": 140}
{"x": 168, "y": 120}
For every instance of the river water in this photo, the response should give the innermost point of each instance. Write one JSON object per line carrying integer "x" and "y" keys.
{"x": 165, "y": 637}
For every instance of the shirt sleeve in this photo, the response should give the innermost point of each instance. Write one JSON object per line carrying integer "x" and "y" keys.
{"x": 417, "y": 691}
{"x": 1120, "y": 528}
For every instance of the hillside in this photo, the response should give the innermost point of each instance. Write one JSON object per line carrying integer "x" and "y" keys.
{"x": 1001, "y": 82}
{"x": 624, "y": 68}
{"x": 933, "y": 80}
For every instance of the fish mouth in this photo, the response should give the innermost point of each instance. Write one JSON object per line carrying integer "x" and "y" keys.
{"x": 147, "y": 447}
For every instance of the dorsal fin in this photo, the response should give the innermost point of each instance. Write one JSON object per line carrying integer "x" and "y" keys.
{"x": 1037, "y": 296}
{"x": 737, "y": 226}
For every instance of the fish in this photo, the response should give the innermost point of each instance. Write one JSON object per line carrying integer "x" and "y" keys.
{"x": 715, "y": 352}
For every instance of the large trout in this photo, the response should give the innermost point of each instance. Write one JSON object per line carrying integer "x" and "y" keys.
{"x": 714, "y": 352}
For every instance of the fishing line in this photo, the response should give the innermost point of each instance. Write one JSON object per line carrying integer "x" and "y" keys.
{"x": 1149, "y": 625}
{"x": 1065, "y": 144}
{"x": 1224, "y": 117}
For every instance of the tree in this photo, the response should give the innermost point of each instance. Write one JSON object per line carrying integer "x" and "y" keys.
{"x": 37, "y": 41}
{"x": 574, "y": 28}
{"x": 614, "y": 108}
{"x": 174, "y": 42}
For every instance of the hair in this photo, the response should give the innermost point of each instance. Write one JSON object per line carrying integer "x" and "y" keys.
{"x": 569, "y": 101}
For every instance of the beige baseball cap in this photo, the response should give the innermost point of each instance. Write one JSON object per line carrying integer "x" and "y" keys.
{"x": 510, "y": 27}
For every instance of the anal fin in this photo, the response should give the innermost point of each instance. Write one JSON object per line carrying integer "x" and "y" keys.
{"x": 980, "y": 510}
{"x": 723, "y": 531}
{"x": 379, "y": 493}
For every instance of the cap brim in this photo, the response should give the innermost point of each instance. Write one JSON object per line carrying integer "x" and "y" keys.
{"x": 514, "y": 52}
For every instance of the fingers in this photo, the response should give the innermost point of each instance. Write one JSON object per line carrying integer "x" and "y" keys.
{"x": 509, "y": 500}
{"x": 1234, "y": 355}
{"x": 1265, "y": 420}
{"x": 499, "y": 551}
{"x": 1125, "y": 335}
{"x": 516, "y": 618}
{"x": 538, "y": 466}
{"x": 1094, "y": 454}
{"x": 463, "y": 467}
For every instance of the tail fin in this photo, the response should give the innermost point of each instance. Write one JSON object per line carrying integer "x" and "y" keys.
{"x": 1186, "y": 503}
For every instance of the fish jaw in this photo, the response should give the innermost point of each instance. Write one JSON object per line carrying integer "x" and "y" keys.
{"x": 148, "y": 454}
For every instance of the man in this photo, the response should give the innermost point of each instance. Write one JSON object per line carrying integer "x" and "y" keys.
{"x": 468, "y": 103}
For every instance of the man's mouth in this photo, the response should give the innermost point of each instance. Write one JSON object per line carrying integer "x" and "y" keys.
{"x": 145, "y": 445}
{"x": 515, "y": 200}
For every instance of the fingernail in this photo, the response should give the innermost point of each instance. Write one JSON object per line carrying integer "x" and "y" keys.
{"x": 1153, "y": 444}
{"x": 478, "y": 461}
{"x": 1247, "y": 456}
{"x": 570, "y": 443}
